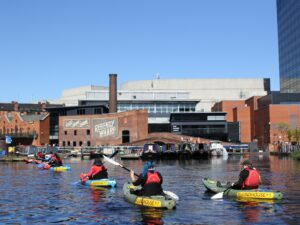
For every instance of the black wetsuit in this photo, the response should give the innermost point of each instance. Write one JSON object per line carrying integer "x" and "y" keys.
{"x": 242, "y": 177}
{"x": 150, "y": 188}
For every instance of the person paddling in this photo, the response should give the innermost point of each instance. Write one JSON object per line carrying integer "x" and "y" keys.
{"x": 249, "y": 177}
{"x": 97, "y": 172}
{"x": 150, "y": 180}
{"x": 55, "y": 160}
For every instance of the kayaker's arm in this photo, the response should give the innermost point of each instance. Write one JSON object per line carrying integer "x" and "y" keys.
{"x": 133, "y": 179}
{"x": 242, "y": 177}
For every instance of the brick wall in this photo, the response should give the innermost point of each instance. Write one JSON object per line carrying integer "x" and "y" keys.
{"x": 106, "y": 129}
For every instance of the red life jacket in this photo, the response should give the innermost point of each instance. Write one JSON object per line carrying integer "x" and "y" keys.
{"x": 252, "y": 180}
{"x": 152, "y": 178}
{"x": 98, "y": 169}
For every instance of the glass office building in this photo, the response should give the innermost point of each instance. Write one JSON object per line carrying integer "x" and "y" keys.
{"x": 288, "y": 21}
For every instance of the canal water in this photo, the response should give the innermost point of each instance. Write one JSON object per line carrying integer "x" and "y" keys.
{"x": 33, "y": 196}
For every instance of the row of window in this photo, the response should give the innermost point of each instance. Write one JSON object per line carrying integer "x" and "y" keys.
{"x": 88, "y": 132}
{"x": 75, "y": 143}
{"x": 83, "y": 112}
{"x": 15, "y": 131}
{"x": 158, "y": 107}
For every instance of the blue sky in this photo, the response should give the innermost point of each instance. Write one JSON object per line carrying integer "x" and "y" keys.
{"x": 51, "y": 45}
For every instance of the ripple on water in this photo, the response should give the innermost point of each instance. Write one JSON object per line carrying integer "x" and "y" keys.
{"x": 32, "y": 196}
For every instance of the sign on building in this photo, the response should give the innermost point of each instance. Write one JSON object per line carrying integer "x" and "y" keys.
{"x": 103, "y": 128}
{"x": 77, "y": 124}
{"x": 176, "y": 128}
{"x": 8, "y": 139}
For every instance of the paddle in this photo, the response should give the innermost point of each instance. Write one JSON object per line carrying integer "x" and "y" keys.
{"x": 169, "y": 193}
{"x": 220, "y": 194}
{"x": 112, "y": 155}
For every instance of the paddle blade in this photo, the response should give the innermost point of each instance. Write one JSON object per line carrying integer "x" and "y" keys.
{"x": 172, "y": 195}
{"x": 217, "y": 196}
{"x": 111, "y": 161}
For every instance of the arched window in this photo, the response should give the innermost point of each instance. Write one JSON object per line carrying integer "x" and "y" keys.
{"x": 125, "y": 136}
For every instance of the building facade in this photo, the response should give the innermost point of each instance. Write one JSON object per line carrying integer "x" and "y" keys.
{"x": 209, "y": 125}
{"x": 56, "y": 112}
{"x": 269, "y": 120}
{"x": 105, "y": 129}
{"x": 26, "y": 124}
{"x": 288, "y": 17}
{"x": 205, "y": 92}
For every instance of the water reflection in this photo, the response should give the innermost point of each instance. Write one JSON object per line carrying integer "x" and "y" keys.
{"x": 32, "y": 196}
{"x": 152, "y": 216}
{"x": 251, "y": 211}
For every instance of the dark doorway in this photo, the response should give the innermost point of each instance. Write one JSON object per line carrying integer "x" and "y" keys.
{"x": 125, "y": 136}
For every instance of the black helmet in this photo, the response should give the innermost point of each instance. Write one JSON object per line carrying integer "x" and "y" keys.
{"x": 246, "y": 163}
{"x": 98, "y": 162}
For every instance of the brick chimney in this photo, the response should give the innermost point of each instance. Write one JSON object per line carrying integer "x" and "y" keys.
{"x": 112, "y": 93}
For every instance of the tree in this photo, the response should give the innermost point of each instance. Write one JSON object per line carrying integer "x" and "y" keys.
{"x": 290, "y": 135}
{"x": 297, "y": 134}
{"x": 283, "y": 128}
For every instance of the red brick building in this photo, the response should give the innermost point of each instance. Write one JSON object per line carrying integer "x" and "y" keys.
{"x": 261, "y": 122}
{"x": 27, "y": 124}
{"x": 105, "y": 129}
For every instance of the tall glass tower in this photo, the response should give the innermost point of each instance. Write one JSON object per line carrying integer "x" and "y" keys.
{"x": 288, "y": 21}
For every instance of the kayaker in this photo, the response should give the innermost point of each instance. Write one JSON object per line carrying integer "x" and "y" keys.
{"x": 150, "y": 180}
{"x": 97, "y": 171}
{"x": 40, "y": 156}
{"x": 249, "y": 177}
{"x": 55, "y": 160}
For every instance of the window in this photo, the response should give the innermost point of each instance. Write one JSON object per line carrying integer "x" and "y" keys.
{"x": 88, "y": 132}
{"x": 98, "y": 111}
{"x": 125, "y": 136}
{"x": 80, "y": 111}
{"x": 69, "y": 143}
{"x": 75, "y": 132}
{"x": 88, "y": 143}
{"x": 80, "y": 143}
{"x": 64, "y": 143}
{"x": 74, "y": 143}
{"x": 66, "y": 132}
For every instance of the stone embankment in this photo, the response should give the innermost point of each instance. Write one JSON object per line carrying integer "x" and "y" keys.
{"x": 12, "y": 158}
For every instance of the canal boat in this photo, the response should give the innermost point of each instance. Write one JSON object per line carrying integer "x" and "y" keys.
{"x": 100, "y": 183}
{"x": 200, "y": 152}
{"x": 215, "y": 148}
{"x": 168, "y": 151}
{"x": 218, "y": 187}
{"x": 185, "y": 151}
{"x": 133, "y": 153}
{"x": 150, "y": 152}
{"x": 158, "y": 201}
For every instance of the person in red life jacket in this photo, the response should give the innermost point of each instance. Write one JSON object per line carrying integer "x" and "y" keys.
{"x": 150, "y": 180}
{"x": 40, "y": 156}
{"x": 249, "y": 177}
{"x": 97, "y": 172}
{"x": 55, "y": 160}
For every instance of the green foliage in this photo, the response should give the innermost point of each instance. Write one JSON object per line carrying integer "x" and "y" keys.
{"x": 290, "y": 135}
{"x": 295, "y": 154}
{"x": 297, "y": 134}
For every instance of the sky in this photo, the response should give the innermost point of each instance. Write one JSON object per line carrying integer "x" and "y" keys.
{"x": 52, "y": 45}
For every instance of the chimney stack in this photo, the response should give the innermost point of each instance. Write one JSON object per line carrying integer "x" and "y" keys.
{"x": 112, "y": 93}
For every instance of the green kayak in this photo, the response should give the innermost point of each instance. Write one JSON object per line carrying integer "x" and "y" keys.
{"x": 158, "y": 201}
{"x": 217, "y": 187}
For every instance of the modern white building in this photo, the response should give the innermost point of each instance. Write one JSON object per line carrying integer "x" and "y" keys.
{"x": 205, "y": 92}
